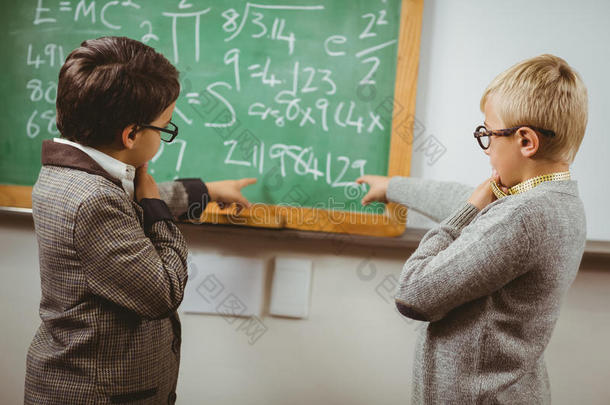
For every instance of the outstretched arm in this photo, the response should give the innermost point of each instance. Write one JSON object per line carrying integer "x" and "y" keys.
{"x": 432, "y": 198}
{"x": 435, "y": 199}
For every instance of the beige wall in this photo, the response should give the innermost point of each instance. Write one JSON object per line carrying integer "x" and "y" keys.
{"x": 353, "y": 349}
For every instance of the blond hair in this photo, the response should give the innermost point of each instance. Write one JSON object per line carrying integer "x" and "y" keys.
{"x": 545, "y": 92}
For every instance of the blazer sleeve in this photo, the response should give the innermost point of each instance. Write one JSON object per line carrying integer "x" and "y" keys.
{"x": 452, "y": 267}
{"x": 145, "y": 273}
{"x": 432, "y": 198}
{"x": 186, "y": 198}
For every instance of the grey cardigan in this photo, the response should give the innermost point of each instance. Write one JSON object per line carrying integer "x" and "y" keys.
{"x": 490, "y": 283}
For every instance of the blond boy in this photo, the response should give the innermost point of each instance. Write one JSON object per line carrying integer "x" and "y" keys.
{"x": 491, "y": 278}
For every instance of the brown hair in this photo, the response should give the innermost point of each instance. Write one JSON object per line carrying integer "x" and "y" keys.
{"x": 546, "y": 92}
{"x": 109, "y": 83}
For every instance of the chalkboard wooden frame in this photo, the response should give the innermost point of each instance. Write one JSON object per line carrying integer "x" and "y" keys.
{"x": 391, "y": 223}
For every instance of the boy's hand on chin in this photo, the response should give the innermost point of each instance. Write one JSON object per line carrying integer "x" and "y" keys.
{"x": 483, "y": 195}
{"x": 144, "y": 184}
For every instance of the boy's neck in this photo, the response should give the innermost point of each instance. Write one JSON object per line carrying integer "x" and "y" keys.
{"x": 118, "y": 154}
{"x": 539, "y": 169}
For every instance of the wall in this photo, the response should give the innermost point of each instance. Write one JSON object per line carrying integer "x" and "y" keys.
{"x": 355, "y": 348}
{"x": 465, "y": 44}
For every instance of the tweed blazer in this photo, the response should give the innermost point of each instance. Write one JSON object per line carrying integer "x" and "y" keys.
{"x": 112, "y": 274}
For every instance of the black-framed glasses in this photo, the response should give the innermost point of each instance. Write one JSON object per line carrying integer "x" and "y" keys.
{"x": 167, "y": 134}
{"x": 483, "y": 135}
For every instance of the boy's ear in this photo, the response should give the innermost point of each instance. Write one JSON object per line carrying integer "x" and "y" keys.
{"x": 528, "y": 141}
{"x": 128, "y": 136}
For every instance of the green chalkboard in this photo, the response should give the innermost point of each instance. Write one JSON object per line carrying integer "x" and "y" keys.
{"x": 297, "y": 93}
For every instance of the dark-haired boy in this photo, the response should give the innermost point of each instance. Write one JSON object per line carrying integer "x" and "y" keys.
{"x": 112, "y": 262}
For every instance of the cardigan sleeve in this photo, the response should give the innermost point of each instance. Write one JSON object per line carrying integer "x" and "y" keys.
{"x": 432, "y": 198}
{"x": 461, "y": 260}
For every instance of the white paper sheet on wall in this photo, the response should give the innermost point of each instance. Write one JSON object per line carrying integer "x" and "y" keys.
{"x": 224, "y": 285}
{"x": 291, "y": 289}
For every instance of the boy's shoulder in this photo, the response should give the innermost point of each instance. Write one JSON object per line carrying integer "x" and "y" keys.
{"x": 70, "y": 178}
{"x": 553, "y": 201}
{"x": 554, "y": 206}
{"x": 63, "y": 192}
{"x": 79, "y": 185}
{"x": 552, "y": 214}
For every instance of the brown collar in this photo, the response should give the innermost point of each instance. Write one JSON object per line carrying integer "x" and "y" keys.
{"x": 60, "y": 154}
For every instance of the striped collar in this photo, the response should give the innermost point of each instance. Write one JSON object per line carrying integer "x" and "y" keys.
{"x": 530, "y": 183}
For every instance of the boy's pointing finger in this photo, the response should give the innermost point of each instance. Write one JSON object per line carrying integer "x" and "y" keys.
{"x": 246, "y": 182}
{"x": 363, "y": 179}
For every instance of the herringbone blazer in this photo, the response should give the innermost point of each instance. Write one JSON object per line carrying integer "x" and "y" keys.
{"x": 112, "y": 274}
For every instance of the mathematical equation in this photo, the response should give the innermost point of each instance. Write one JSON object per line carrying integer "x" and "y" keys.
{"x": 292, "y": 80}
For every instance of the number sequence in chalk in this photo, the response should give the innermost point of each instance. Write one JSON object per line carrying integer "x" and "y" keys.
{"x": 302, "y": 160}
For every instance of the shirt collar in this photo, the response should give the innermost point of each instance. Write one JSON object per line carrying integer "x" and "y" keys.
{"x": 554, "y": 178}
{"x": 117, "y": 169}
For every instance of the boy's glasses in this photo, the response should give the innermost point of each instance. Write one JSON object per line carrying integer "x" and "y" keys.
{"x": 167, "y": 134}
{"x": 483, "y": 135}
